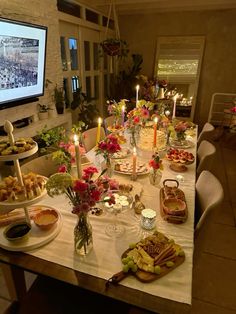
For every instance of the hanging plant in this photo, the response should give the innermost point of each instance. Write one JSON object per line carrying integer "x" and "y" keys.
{"x": 115, "y": 47}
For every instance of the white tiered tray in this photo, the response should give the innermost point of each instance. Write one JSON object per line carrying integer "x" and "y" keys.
{"x": 20, "y": 155}
{"x": 37, "y": 237}
{"x": 6, "y": 207}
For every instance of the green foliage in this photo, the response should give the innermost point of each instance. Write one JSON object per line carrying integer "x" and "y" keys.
{"x": 49, "y": 138}
{"x": 88, "y": 112}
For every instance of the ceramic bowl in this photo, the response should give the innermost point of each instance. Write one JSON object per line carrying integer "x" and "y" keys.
{"x": 174, "y": 206}
{"x": 17, "y": 231}
{"x": 46, "y": 219}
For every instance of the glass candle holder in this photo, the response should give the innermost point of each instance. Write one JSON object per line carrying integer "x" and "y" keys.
{"x": 148, "y": 219}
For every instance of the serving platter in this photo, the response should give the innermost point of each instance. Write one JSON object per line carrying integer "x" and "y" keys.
{"x": 169, "y": 247}
{"x": 124, "y": 153}
{"x": 126, "y": 167}
{"x": 181, "y": 145}
{"x": 22, "y": 155}
{"x": 37, "y": 237}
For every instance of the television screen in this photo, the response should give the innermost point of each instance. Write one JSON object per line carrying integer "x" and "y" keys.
{"x": 22, "y": 62}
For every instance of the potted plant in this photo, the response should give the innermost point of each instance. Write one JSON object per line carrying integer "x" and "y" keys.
{"x": 114, "y": 47}
{"x": 59, "y": 99}
{"x": 43, "y": 111}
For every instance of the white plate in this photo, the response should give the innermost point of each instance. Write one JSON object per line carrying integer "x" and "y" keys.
{"x": 37, "y": 237}
{"x": 186, "y": 144}
{"x": 20, "y": 155}
{"x": 122, "y": 154}
{"x": 6, "y": 207}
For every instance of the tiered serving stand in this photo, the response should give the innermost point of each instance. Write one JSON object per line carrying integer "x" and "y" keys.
{"x": 37, "y": 237}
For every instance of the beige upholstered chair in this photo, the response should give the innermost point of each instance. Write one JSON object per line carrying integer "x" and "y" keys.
{"x": 206, "y": 133}
{"x": 209, "y": 195}
{"x": 205, "y": 156}
{"x": 43, "y": 165}
{"x": 89, "y": 138}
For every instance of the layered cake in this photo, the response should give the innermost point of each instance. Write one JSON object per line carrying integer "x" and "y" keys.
{"x": 146, "y": 139}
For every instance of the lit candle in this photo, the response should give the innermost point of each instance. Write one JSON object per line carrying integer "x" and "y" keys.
{"x": 174, "y": 107}
{"x": 137, "y": 89}
{"x": 148, "y": 218}
{"x": 99, "y": 130}
{"x": 155, "y": 132}
{"x": 123, "y": 115}
{"x": 134, "y": 161}
{"x": 77, "y": 156}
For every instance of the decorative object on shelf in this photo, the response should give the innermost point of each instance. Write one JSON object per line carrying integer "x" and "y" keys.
{"x": 83, "y": 195}
{"x": 162, "y": 85}
{"x": 43, "y": 111}
{"x": 155, "y": 173}
{"x": 107, "y": 148}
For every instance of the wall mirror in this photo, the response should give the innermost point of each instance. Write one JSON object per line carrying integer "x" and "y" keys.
{"x": 178, "y": 60}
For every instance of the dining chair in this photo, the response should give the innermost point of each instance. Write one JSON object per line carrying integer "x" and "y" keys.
{"x": 209, "y": 195}
{"x": 43, "y": 165}
{"x": 89, "y": 138}
{"x": 205, "y": 156}
{"x": 206, "y": 132}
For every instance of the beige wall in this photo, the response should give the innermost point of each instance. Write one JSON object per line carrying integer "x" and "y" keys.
{"x": 218, "y": 72}
{"x": 42, "y": 12}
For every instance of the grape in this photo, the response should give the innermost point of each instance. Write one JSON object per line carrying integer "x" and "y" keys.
{"x": 130, "y": 264}
{"x": 170, "y": 264}
{"x": 157, "y": 269}
{"x": 181, "y": 253}
{"x": 132, "y": 245}
{"x": 124, "y": 260}
{"x": 125, "y": 268}
{"x": 134, "y": 268}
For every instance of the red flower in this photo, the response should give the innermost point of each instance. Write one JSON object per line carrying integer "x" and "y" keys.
{"x": 62, "y": 168}
{"x": 95, "y": 195}
{"x": 80, "y": 186}
{"x": 136, "y": 120}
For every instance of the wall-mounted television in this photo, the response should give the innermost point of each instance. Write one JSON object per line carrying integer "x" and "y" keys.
{"x": 22, "y": 62}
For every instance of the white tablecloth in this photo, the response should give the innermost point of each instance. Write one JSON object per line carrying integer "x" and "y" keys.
{"x": 105, "y": 258}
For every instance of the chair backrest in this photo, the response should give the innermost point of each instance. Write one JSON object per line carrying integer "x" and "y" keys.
{"x": 206, "y": 132}
{"x": 205, "y": 156}
{"x": 43, "y": 165}
{"x": 89, "y": 138}
{"x": 209, "y": 195}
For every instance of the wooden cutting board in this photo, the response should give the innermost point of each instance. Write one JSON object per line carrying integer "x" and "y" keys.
{"x": 145, "y": 276}
{"x": 172, "y": 218}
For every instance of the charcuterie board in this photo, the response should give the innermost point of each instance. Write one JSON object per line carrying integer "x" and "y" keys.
{"x": 150, "y": 259}
{"x": 173, "y": 206}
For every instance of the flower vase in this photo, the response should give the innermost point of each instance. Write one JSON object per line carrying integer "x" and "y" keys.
{"x": 161, "y": 93}
{"x": 109, "y": 171}
{"x": 155, "y": 176}
{"x": 83, "y": 238}
{"x": 180, "y": 136}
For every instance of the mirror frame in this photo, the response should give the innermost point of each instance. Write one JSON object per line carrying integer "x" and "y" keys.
{"x": 184, "y": 40}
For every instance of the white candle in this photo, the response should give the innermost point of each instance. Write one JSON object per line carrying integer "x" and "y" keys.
{"x": 77, "y": 156}
{"x": 123, "y": 115}
{"x": 174, "y": 107}
{"x": 99, "y": 130}
{"x": 134, "y": 161}
{"x": 137, "y": 89}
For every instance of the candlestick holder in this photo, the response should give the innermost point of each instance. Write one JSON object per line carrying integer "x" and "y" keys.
{"x": 133, "y": 177}
{"x": 148, "y": 219}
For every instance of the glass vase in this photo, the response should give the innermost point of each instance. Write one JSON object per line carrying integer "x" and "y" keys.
{"x": 155, "y": 176}
{"x": 83, "y": 237}
{"x": 109, "y": 171}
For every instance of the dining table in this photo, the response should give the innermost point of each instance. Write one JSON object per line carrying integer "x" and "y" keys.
{"x": 171, "y": 293}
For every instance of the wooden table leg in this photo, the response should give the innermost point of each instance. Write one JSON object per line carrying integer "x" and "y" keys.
{"x": 15, "y": 281}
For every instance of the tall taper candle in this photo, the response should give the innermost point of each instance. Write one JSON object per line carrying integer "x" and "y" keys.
{"x": 99, "y": 130}
{"x": 78, "y": 156}
{"x": 137, "y": 89}
{"x": 134, "y": 161}
{"x": 155, "y": 132}
{"x": 123, "y": 115}
{"x": 174, "y": 106}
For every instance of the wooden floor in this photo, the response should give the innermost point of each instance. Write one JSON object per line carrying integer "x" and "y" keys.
{"x": 214, "y": 272}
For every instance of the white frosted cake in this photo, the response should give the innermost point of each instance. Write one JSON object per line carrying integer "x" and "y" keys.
{"x": 146, "y": 139}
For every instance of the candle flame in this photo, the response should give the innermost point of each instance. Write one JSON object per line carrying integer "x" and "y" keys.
{"x": 134, "y": 151}
{"x": 75, "y": 138}
{"x": 155, "y": 119}
{"x": 99, "y": 120}
{"x": 123, "y": 108}
{"x": 137, "y": 87}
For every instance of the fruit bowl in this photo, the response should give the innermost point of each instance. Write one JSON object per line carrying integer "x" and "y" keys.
{"x": 46, "y": 219}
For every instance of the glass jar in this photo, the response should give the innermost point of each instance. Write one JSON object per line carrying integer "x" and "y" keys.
{"x": 155, "y": 176}
{"x": 83, "y": 237}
